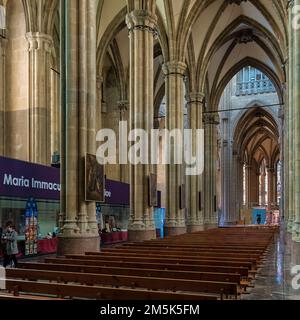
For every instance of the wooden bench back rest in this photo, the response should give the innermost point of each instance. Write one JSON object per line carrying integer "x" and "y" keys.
{"x": 195, "y": 262}
{"x": 99, "y": 293}
{"x": 191, "y": 275}
{"x": 243, "y": 271}
{"x": 174, "y": 285}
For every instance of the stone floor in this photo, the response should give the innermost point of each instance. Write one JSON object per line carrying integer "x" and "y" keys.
{"x": 274, "y": 281}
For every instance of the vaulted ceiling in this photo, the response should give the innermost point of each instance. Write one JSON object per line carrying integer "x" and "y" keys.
{"x": 215, "y": 38}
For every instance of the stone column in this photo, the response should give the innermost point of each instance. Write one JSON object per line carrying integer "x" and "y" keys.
{"x": 296, "y": 107}
{"x": 288, "y": 142}
{"x": 3, "y": 43}
{"x": 79, "y": 231}
{"x": 55, "y": 112}
{"x": 271, "y": 186}
{"x": 248, "y": 185}
{"x": 39, "y": 97}
{"x": 210, "y": 209}
{"x": 195, "y": 214}
{"x": 226, "y": 177}
{"x": 289, "y": 155}
{"x": 263, "y": 188}
{"x": 142, "y": 28}
{"x": 99, "y": 103}
{"x": 239, "y": 189}
{"x": 123, "y": 107}
{"x": 175, "y": 215}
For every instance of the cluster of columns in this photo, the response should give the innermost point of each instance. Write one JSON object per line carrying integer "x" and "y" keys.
{"x": 195, "y": 219}
{"x": 39, "y": 47}
{"x": 292, "y": 127}
{"x": 211, "y": 121}
{"x": 79, "y": 231}
{"x": 35, "y": 137}
{"x": 142, "y": 26}
{"x": 3, "y": 43}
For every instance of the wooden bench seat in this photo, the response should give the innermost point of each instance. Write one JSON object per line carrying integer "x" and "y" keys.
{"x": 179, "y": 252}
{"x": 168, "y": 284}
{"x": 243, "y": 271}
{"x": 6, "y": 296}
{"x": 97, "y": 292}
{"x": 253, "y": 261}
{"x": 195, "y": 262}
{"x": 191, "y": 275}
{"x": 209, "y": 265}
{"x": 192, "y": 246}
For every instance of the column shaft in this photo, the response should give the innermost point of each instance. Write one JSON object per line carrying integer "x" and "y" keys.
{"x": 296, "y": 108}
{"x": 195, "y": 211}
{"x": 141, "y": 25}
{"x": 210, "y": 205}
{"x": 78, "y": 98}
{"x": 39, "y": 97}
{"x": 175, "y": 215}
{"x": 3, "y": 43}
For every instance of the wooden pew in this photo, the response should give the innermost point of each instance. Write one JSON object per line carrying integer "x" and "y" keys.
{"x": 177, "y": 261}
{"x": 202, "y": 265}
{"x": 178, "y": 252}
{"x": 109, "y": 254}
{"x": 191, "y": 275}
{"x": 192, "y": 246}
{"x": 243, "y": 271}
{"x": 98, "y": 293}
{"x": 222, "y": 288}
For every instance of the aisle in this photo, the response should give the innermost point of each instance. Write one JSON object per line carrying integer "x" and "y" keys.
{"x": 274, "y": 282}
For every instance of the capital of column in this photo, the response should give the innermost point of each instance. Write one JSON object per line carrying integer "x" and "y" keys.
{"x": 39, "y": 41}
{"x": 195, "y": 97}
{"x": 211, "y": 119}
{"x": 174, "y": 68}
{"x": 142, "y": 20}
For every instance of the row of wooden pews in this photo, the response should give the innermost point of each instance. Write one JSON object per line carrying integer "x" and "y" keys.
{"x": 209, "y": 265}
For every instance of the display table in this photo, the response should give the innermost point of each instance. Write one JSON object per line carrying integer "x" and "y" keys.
{"x": 114, "y": 237}
{"x": 47, "y": 246}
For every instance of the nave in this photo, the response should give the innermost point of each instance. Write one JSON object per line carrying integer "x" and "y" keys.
{"x": 218, "y": 264}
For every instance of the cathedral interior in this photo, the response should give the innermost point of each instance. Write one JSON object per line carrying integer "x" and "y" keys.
{"x": 227, "y": 68}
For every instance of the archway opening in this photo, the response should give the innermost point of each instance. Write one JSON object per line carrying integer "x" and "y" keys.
{"x": 249, "y": 146}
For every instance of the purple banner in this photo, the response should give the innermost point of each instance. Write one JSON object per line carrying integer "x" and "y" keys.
{"x": 23, "y": 180}
{"x": 116, "y": 193}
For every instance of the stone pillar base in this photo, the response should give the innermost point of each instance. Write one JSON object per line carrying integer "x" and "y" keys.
{"x": 195, "y": 228}
{"x": 141, "y": 235}
{"x": 77, "y": 244}
{"x": 174, "y": 231}
{"x": 209, "y": 226}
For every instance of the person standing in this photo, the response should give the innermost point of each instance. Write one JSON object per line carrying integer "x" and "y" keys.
{"x": 10, "y": 237}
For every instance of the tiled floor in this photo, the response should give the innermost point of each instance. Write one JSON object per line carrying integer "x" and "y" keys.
{"x": 274, "y": 281}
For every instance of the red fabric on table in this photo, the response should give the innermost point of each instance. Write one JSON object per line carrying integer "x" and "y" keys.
{"x": 114, "y": 237}
{"x": 47, "y": 245}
